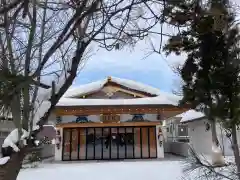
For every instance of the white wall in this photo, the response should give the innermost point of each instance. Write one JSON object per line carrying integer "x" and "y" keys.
{"x": 151, "y": 117}
{"x": 200, "y": 139}
{"x": 160, "y": 149}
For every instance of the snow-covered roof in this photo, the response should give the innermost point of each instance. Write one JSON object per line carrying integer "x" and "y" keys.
{"x": 101, "y": 102}
{"x": 190, "y": 115}
{"x": 162, "y": 98}
{"x": 96, "y": 86}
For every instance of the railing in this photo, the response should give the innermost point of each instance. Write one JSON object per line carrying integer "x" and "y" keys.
{"x": 178, "y": 139}
{"x": 177, "y": 145}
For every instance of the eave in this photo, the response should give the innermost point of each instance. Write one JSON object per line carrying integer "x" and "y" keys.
{"x": 114, "y": 84}
{"x": 166, "y": 111}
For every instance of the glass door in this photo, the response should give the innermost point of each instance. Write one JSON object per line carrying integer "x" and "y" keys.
{"x": 98, "y": 143}
{"x": 109, "y": 143}
{"x": 114, "y": 143}
{"x": 90, "y": 143}
{"x": 129, "y": 141}
{"x": 122, "y": 144}
{"x": 106, "y": 143}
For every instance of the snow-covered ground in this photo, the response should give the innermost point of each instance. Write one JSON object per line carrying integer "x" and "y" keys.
{"x": 139, "y": 170}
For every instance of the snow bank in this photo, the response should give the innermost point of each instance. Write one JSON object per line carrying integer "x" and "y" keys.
{"x": 4, "y": 160}
{"x": 140, "y": 170}
{"x": 190, "y": 116}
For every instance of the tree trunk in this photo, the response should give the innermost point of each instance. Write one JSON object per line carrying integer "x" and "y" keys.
{"x": 10, "y": 170}
{"x": 214, "y": 133}
{"x": 236, "y": 150}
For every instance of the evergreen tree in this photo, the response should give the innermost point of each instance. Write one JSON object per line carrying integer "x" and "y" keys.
{"x": 211, "y": 71}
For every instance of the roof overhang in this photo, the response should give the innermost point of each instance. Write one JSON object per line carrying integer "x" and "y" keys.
{"x": 193, "y": 120}
{"x": 165, "y": 111}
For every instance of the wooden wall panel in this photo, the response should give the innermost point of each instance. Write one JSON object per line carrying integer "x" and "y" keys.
{"x": 74, "y": 153}
{"x": 145, "y": 142}
{"x": 137, "y": 142}
{"x": 66, "y": 144}
{"x": 152, "y": 138}
{"x": 96, "y": 110}
{"x": 82, "y": 149}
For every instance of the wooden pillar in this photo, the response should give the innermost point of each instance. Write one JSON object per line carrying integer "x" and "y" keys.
{"x": 152, "y": 138}
{"x": 137, "y": 142}
{"x": 82, "y": 148}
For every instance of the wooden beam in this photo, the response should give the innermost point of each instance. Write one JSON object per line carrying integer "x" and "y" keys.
{"x": 98, "y": 124}
{"x": 167, "y": 112}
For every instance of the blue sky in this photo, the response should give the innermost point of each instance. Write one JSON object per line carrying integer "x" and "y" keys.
{"x": 153, "y": 70}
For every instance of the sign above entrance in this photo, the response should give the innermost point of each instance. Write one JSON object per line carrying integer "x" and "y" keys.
{"x": 110, "y": 118}
{"x": 138, "y": 117}
{"x": 82, "y": 119}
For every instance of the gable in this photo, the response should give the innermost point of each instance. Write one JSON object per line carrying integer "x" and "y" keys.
{"x": 109, "y": 95}
{"x": 113, "y": 91}
{"x": 115, "y": 87}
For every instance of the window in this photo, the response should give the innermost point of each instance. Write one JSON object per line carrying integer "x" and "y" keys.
{"x": 182, "y": 130}
{"x": 137, "y": 117}
{"x": 4, "y": 133}
{"x": 81, "y": 119}
{"x": 4, "y": 119}
{"x": 159, "y": 117}
{"x": 167, "y": 129}
{"x": 172, "y": 128}
{"x": 59, "y": 119}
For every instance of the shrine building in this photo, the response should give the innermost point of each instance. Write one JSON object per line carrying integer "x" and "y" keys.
{"x": 112, "y": 118}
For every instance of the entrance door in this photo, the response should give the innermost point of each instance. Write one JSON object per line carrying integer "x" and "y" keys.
{"x": 114, "y": 143}
{"x": 106, "y": 148}
{"x": 109, "y": 143}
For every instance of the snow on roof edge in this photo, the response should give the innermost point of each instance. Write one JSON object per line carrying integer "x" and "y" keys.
{"x": 101, "y": 102}
{"x": 190, "y": 115}
{"x": 85, "y": 88}
{"x": 97, "y": 85}
{"x": 193, "y": 120}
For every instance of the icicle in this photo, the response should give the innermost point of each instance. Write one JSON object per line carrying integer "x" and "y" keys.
{"x": 217, "y": 156}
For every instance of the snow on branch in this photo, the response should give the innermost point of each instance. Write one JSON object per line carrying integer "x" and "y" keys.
{"x": 50, "y": 39}
{"x": 4, "y": 160}
{"x": 13, "y": 138}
